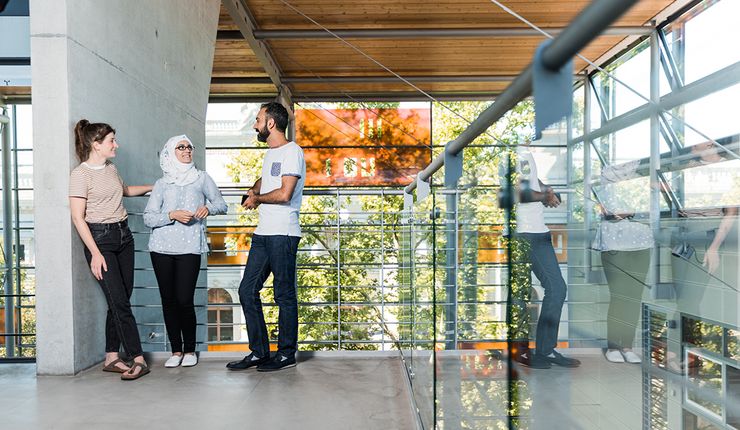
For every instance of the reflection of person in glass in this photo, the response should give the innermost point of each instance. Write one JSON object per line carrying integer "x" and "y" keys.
{"x": 625, "y": 246}
{"x": 176, "y": 212}
{"x": 533, "y": 197}
{"x": 278, "y": 195}
{"x": 699, "y": 263}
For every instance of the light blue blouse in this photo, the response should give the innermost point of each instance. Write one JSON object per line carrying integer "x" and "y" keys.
{"x": 173, "y": 237}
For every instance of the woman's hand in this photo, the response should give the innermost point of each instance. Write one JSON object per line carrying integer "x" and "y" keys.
{"x": 98, "y": 266}
{"x": 181, "y": 216}
{"x": 202, "y": 212}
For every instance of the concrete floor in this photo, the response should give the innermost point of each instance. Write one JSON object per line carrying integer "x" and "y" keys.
{"x": 471, "y": 393}
{"x": 320, "y": 393}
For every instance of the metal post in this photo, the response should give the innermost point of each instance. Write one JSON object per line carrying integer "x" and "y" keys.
{"x": 587, "y": 202}
{"x": 655, "y": 152}
{"x": 10, "y": 341}
{"x": 452, "y": 245}
{"x": 339, "y": 275}
{"x": 569, "y": 160}
{"x": 382, "y": 268}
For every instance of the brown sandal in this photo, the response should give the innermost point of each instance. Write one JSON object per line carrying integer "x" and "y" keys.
{"x": 111, "y": 367}
{"x": 130, "y": 376}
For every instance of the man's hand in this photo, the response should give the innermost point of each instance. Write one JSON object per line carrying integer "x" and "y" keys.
{"x": 202, "y": 212}
{"x": 551, "y": 200}
{"x": 181, "y": 216}
{"x": 251, "y": 201}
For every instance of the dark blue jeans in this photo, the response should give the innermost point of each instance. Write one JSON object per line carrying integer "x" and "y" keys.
{"x": 276, "y": 255}
{"x": 545, "y": 267}
{"x": 116, "y": 244}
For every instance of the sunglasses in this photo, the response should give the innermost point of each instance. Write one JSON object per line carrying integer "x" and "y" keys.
{"x": 184, "y": 148}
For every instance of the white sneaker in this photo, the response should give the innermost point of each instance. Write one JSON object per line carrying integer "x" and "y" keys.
{"x": 614, "y": 356}
{"x": 631, "y": 357}
{"x": 173, "y": 361}
{"x": 189, "y": 360}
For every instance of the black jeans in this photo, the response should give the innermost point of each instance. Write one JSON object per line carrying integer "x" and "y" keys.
{"x": 116, "y": 243}
{"x": 545, "y": 267}
{"x": 276, "y": 255}
{"x": 176, "y": 277}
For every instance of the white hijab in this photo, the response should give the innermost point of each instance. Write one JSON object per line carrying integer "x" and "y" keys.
{"x": 175, "y": 171}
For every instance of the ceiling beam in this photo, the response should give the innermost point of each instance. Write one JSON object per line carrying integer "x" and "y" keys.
{"x": 390, "y": 96}
{"x": 394, "y": 79}
{"x": 352, "y": 97}
{"x": 420, "y": 33}
{"x": 368, "y": 79}
{"x": 361, "y": 79}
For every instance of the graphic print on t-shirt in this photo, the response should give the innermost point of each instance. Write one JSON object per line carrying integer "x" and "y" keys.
{"x": 275, "y": 169}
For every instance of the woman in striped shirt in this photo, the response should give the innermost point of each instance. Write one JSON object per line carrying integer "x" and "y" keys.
{"x": 96, "y": 194}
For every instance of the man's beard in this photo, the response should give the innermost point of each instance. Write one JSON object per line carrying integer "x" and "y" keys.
{"x": 263, "y": 134}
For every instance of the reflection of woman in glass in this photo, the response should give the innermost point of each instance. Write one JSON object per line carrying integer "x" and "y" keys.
{"x": 625, "y": 246}
{"x": 706, "y": 230}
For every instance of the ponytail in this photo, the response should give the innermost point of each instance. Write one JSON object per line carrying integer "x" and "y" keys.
{"x": 86, "y": 133}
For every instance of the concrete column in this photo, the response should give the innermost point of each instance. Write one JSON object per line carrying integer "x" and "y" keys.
{"x": 144, "y": 68}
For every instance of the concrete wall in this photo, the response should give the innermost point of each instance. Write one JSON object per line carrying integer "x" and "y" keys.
{"x": 144, "y": 67}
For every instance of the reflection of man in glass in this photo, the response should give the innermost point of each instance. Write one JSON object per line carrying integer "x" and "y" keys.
{"x": 278, "y": 195}
{"x": 698, "y": 265}
{"x": 534, "y": 196}
{"x": 625, "y": 246}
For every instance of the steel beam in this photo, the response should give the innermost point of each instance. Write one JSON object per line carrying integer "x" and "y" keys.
{"x": 394, "y": 79}
{"x": 390, "y": 96}
{"x": 362, "y": 79}
{"x": 15, "y": 61}
{"x": 7, "y": 224}
{"x": 655, "y": 154}
{"x": 424, "y": 33}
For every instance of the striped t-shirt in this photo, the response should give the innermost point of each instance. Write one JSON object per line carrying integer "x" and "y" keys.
{"x": 102, "y": 187}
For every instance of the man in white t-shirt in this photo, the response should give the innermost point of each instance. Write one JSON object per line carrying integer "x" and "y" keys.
{"x": 277, "y": 195}
{"x": 532, "y": 198}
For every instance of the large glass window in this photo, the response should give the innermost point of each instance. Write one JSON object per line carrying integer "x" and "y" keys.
{"x": 357, "y": 157}
{"x": 17, "y": 286}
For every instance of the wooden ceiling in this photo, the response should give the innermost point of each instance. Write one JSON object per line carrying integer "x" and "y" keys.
{"x": 324, "y": 67}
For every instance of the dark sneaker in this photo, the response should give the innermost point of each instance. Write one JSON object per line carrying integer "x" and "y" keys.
{"x": 278, "y": 362}
{"x": 559, "y": 359}
{"x": 533, "y": 360}
{"x": 249, "y": 361}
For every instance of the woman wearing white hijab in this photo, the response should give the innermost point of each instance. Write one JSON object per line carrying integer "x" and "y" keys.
{"x": 177, "y": 208}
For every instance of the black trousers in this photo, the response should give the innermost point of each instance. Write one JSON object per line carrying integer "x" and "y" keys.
{"x": 116, "y": 243}
{"x": 177, "y": 275}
